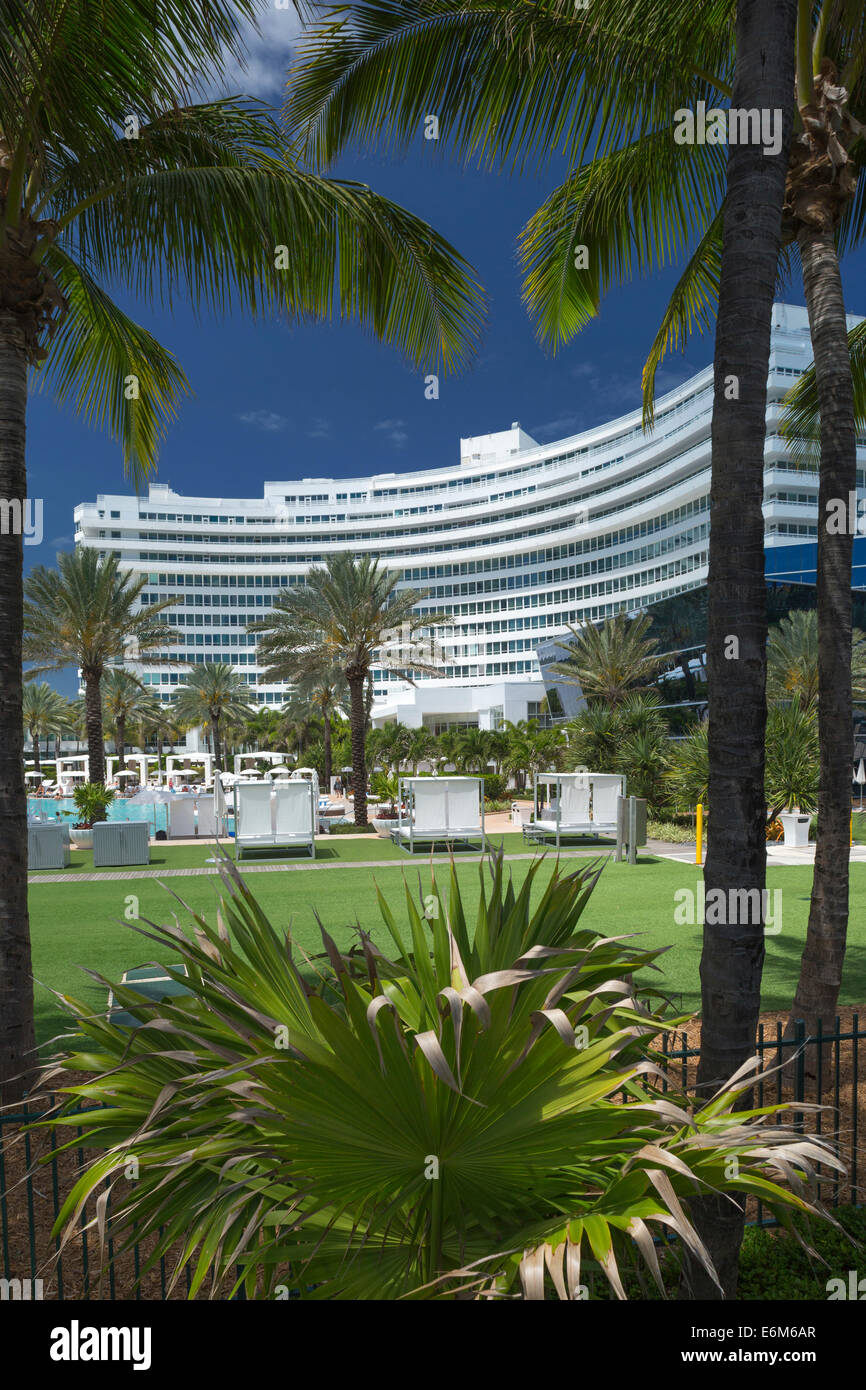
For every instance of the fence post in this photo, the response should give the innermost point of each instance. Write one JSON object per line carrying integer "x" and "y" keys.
{"x": 800, "y": 1071}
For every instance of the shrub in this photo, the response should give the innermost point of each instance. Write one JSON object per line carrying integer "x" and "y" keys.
{"x": 92, "y": 801}
{"x": 444, "y": 1117}
{"x": 495, "y": 787}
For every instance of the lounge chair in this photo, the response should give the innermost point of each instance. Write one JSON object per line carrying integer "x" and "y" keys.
{"x": 585, "y": 803}
{"x": 446, "y": 810}
{"x": 253, "y": 826}
{"x": 295, "y": 815}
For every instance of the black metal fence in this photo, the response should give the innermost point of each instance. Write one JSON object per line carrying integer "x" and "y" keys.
{"x": 822, "y": 1068}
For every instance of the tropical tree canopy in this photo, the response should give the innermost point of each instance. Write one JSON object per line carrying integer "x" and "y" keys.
{"x": 349, "y": 612}
{"x": 213, "y": 696}
{"x": 792, "y": 660}
{"x": 608, "y": 660}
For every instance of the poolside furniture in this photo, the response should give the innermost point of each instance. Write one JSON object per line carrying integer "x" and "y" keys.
{"x": 181, "y": 819}
{"x": 583, "y": 803}
{"x": 447, "y": 810}
{"x": 47, "y": 846}
{"x": 288, "y": 823}
{"x": 151, "y": 981}
{"x": 121, "y": 843}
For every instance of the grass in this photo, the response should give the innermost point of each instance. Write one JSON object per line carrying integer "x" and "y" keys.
{"x": 82, "y": 924}
{"x": 164, "y": 855}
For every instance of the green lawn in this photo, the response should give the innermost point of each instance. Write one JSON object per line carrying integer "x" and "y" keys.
{"x": 81, "y": 924}
{"x": 328, "y": 849}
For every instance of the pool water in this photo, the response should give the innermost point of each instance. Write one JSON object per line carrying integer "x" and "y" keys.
{"x": 120, "y": 809}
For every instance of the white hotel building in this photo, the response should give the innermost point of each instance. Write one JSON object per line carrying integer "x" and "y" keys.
{"x": 513, "y": 542}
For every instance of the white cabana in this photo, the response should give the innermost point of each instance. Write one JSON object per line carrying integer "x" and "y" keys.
{"x": 577, "y": 803}
{"x": 73, "y": 765}
{"x": 275, "y": 760}
{"x": 448, "y": 810}
{"x": 174, "y": 766}
{"x": 133, "y": 761}
{"x": 33, "y": 777}
{"x": 278, "y": 817}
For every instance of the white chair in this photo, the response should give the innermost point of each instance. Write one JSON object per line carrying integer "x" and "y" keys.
{"x": 295, "y": 815}
{"x": 606, "y": 792}
{"x": 446, "y": 809}
{"x": 206, "y": 824}
{"x": 181, "y": 820}
{"x": 253, "y": 826}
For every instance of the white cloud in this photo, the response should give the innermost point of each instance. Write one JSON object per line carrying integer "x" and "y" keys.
{"x": 394, "y": 430}
{"x": 320, "y": 429}
{"x": 267, "y": 420}
{"x": 263, "y": 72}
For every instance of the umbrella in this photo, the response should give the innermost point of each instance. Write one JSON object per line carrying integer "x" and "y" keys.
{"x": 860, "y": 778}
{"x": 151, "y": 796}
{"x": 37, "y": 776}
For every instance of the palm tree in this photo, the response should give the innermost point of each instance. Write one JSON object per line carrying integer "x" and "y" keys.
{"x": 533, "y": 750}
{"x": 45, "y": 712}
{"x": 474, "y": 750}
{"x": 420, "y": 748}
{"x": 112, "y": 172}
{"x": 793, "y": 659}
{"x": 124, "y": 701}
{"x": 213, "y": 695}
{"x": 158, "y": 720}
{"x": 323, "y": 690}
{"x": 611, "y": 659}
{"x": 265, "y": 729}
{"x": 85, "y": 614}
{"x": 349, "y": 611}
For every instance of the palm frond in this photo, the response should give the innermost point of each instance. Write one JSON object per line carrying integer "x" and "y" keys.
{"x": 800, "y": 423}
{"x": 111, "y": 370}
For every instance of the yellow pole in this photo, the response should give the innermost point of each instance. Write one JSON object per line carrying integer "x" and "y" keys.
{"x": 699, "y": 847}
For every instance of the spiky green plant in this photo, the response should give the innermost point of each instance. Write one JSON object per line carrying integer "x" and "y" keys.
{"x": 444, "y": 1116}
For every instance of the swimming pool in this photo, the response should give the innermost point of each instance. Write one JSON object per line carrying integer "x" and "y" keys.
{"x": 120, "y": 809}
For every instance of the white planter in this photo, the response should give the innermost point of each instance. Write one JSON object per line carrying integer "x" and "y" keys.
{"x": 796, "y": 827}
{"x": 384, "y": 827}
{"x": 81, "y": 839}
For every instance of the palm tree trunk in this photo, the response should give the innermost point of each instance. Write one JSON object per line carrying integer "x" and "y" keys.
{"x": 733, "y": 955}
{"x": 34, "y": 734}
{"x": 215, "y": 726}
{"x": 358, "y": 716}
{"x": 95, "y": 734}
{"x": 821, "y": 966}
{"x": 326, "y": 739}
{"x": 17, "y": 1036}
{"x": 120, "y": 743}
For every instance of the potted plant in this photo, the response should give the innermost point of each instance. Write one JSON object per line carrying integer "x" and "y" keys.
{"x": 386, "y": 788}
{"x": 92, "y": 801}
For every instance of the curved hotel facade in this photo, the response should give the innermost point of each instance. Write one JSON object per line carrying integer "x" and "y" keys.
{"x": 515, "y": 541}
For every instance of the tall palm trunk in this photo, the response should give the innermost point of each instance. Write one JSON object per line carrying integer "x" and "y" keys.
{"x": 358, "y": 713}
{"x": 326, "y": 740}
{"x": 17, "y": 1038}
{"x": 93, "y": 718}
{"x": 34, "y": 735}
{"x": 215, "y": 726}
{"x": 120, "y": 742}
{"x": 733, "y": 955}
{"x": 821, "y": 967}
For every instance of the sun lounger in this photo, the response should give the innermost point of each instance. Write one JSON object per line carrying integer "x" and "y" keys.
{"x": 446, "y": 810}
{"x": 584, "y": 803}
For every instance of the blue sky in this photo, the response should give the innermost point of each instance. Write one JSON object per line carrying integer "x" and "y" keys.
{"x": 274, "y": 401}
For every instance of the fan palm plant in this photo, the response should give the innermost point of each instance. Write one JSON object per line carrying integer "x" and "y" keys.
{"x": 45, "y": 712}
{"x": 349, "y": 612}
{"x": 792, "y": 660}
{"x": 115, "y": 170}
{"x": 213, "y": 695}
{"x": 125, "y": 701}
{"x": 85, "y": 613}
{"x": 441, "y": 1118}
{"x": 607, "y": 661}
{"x": 420, "y": 748}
